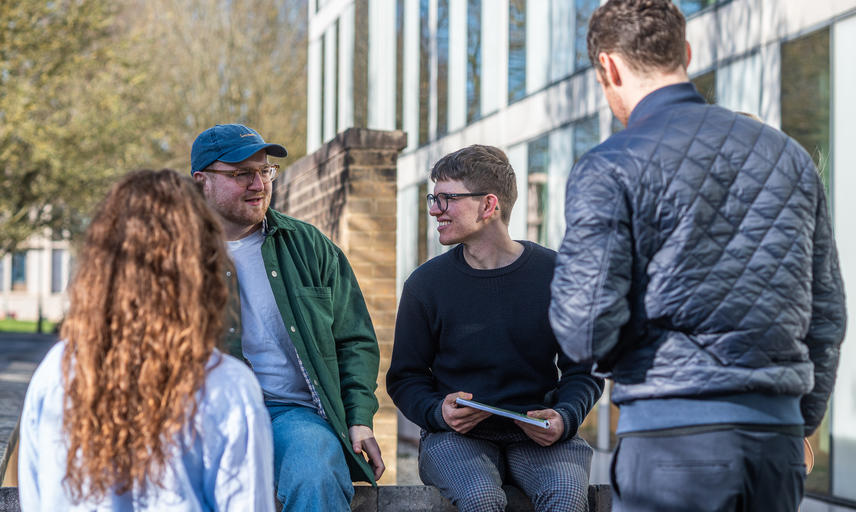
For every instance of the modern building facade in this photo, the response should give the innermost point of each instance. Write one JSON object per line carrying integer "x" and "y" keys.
{"x": 515, "y": 74}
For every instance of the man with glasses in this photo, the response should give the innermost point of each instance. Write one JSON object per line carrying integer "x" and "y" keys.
{"x": 472, "y": 323}
{"x": 304, "y": 327}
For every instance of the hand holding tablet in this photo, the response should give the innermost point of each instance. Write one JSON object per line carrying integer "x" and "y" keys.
{"x": 503, "y": 412}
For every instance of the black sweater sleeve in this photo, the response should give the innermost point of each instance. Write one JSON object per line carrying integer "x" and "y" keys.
{"x": 409, "y": 380}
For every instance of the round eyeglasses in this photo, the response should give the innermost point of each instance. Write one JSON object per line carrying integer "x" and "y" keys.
{"x": 245, "y": 176}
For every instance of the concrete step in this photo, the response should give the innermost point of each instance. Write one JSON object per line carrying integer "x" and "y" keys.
{"x": 398, "y": 498}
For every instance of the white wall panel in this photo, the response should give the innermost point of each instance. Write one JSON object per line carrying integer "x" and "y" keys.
{"x": 457, "y": 90}
{"x": 537, "y": 45}
{"x": 381, "y": 93}
{"x": 346, "y": 68}
{"x": 330, "y": 67}
{"x": 313, "y": 96}
{"x": 494, "y": 51}
{"x": 843, "y": 185}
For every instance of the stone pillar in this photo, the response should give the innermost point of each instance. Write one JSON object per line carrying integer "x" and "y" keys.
{"x": 347, "y": 188}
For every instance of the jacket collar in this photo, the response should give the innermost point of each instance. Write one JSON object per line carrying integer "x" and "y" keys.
{"x": 664, "y": 98}
{"x": 274, "y": 220}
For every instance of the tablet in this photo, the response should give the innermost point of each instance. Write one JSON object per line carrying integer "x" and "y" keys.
{"x": 538, "y": 422}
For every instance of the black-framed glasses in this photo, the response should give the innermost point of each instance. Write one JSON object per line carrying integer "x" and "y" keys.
{"x": 245, "y": 176}
{"x": 442, "y": 199}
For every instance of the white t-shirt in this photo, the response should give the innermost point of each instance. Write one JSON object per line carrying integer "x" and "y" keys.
{"x": 264, "y": 339}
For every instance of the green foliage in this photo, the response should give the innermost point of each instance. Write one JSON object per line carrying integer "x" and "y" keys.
{"x": 64, "y": 131}
{"x": 90, "y": 89}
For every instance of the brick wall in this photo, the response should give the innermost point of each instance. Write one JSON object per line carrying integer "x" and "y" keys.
{"x": 347, "y": 188}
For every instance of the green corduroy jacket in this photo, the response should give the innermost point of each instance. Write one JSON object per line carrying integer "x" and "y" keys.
{"x": 325, "y": 314}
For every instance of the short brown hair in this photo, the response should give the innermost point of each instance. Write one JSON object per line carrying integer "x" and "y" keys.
{"x": 650, "y": 34}
{"x": 481, "y": 169}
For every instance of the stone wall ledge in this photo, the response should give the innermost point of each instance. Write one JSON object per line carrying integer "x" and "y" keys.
{"x": 398, "y": 498}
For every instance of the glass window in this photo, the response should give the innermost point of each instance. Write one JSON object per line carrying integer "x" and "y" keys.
{"x": 615, "y": 125}
{"x": 422, "y": 226}
{"x": 690, "y": 7}
{"x": 582, "y": 14}
{"x": 399, "y": 68}
{"x": 19, "y": 271}
{"x": 360, "y": 70}
{"x": 805, "y": 117}
{"x": 586, "y": 136}
{"x": 2, "y": 273}
{"x": 805, "y": 95}
{"x": 442, "y": 66}
{"x": 474, "y": 8}
{"x": 538, "y": 165}
{"x": 424, "y": 71}
{"x": 516, "y": 50}
{"x": 706, "y": 85}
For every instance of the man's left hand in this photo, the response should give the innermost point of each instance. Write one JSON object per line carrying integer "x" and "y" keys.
{"x": 542, "y": 436}
{"x": 363, "y": 441}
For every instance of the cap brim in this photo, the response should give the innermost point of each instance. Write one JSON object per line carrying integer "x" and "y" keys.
{"x": 244, "y": 152}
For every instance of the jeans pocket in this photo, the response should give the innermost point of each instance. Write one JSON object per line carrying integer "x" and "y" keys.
{"x": 612, "y": 478}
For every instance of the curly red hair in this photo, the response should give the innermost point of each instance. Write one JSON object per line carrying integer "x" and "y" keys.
{"x": 146, "y": 312}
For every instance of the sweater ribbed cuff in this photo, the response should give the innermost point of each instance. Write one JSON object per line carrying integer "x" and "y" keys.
{"x": 571, "y": 423}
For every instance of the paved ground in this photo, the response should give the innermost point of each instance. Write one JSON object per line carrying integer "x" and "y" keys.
{"x": 20, "y": 354}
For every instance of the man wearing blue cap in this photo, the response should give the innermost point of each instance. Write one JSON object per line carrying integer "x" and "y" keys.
{"x": 304, "y": 327}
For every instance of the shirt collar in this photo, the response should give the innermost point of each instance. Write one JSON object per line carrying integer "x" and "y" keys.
{"x": 663, "y": 98}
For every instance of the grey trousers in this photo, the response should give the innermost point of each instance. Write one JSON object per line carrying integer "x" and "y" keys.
{"x": 470, "y": 469}
{"x": 720, "y": 471}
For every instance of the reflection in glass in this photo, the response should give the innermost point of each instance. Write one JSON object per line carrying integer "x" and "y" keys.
{"x": 586, "y": 136}
{"x": 399, "y": 64}
{"x": 690, "y": 7}
{"x": 360, "y": 67}
{"x": 516, "y": 50}
{"x": 805, "y": 117}
{"x": 805, "y": 95}
{"x": 538, "y": 165}
{"x": 582, "y": 13}
{"x": 442, "y": 66}
{"x": 706, "y": 86}
{"x": 473, "y": 60}
{"x": 424, "y": 71}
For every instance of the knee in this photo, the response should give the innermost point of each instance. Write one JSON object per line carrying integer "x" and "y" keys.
{"x": 482, "y": 499}
{"x": 562, "y": 494}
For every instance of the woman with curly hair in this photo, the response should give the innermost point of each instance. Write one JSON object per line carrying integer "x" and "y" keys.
{"x": 136, "y": 409}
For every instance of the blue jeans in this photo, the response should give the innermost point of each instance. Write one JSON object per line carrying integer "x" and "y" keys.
{"x": 309, "y": 467}
{"x": 727, "y": 470}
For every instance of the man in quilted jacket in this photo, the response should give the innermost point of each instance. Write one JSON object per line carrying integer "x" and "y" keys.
{"x": 698, "y": 271}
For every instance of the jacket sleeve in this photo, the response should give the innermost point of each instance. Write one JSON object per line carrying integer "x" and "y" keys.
{"x": 356, "y": 345}
{"x": 409, "y": 380}
{"x": 828, "y": 319}
{"x": 594, "y": 263}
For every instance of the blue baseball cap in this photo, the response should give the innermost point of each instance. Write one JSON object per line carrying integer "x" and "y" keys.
{"x": 230, "y": 143}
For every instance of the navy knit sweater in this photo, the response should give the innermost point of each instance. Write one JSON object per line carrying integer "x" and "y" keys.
{"x": 485, "y": 332}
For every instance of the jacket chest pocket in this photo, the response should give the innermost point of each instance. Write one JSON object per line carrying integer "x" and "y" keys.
{"x": 316, "y": 304}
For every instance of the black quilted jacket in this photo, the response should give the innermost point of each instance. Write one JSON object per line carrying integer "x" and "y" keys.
{"x": 699, "y": 259}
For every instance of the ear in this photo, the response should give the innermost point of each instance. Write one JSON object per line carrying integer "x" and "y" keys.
{"x": 491, "y": 206}
{"x": 610, "y": 75}
{"x": 689, "y": 55}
